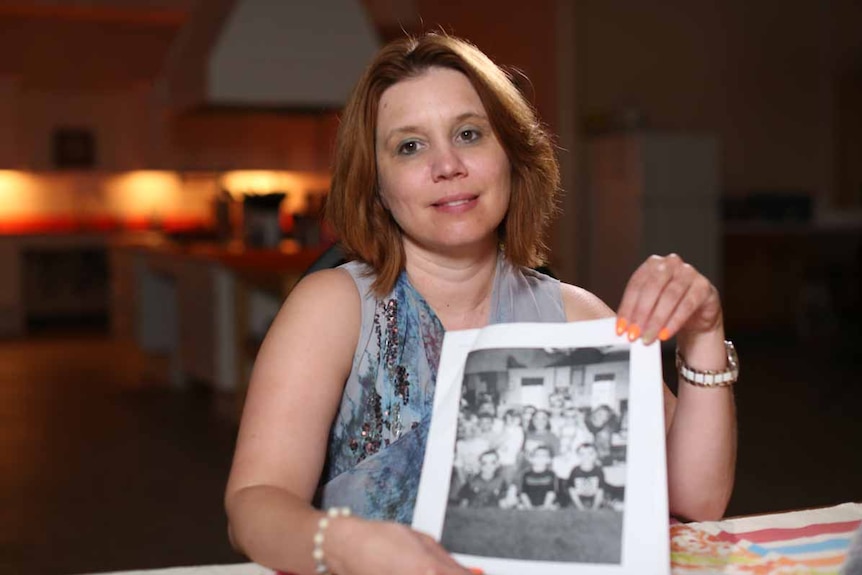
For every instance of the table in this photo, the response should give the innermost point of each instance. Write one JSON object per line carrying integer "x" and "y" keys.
{"x": 809, "y": 541}
{"x": 796, "y": 542}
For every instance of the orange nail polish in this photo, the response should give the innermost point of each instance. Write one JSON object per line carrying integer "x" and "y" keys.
{"x": 476, "y": 571}
{"x": 664, "y": 334}
{"x": 621, "y": 326}
{"x": 634, "y": 332}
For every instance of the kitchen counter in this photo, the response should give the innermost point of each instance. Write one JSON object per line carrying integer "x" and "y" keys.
{"x": 267, "y": 268}
{"x": 201, "y": 307}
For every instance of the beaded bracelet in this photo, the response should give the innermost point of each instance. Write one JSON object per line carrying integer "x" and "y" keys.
{"x": 322, "y": 523}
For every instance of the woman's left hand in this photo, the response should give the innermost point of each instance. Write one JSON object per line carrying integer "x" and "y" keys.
{"x": 666, "y": 296}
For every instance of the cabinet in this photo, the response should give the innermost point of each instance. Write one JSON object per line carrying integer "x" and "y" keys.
{"x": 651, "y": 193}
{"x": 11, "y": 309}
{"x": 196, "y": 310}
{"x": 51, "y": 278}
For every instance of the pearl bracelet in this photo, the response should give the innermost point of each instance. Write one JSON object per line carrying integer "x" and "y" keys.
{"x": 322, "y": 523}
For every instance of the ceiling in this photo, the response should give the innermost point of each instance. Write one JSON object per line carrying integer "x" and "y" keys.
{"x": 99, "y": 45}
{"x": 74, "y": 45}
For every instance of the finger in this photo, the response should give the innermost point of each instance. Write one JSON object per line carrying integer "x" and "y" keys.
{"x": 630, "y": 296}
{"x": 700, "y": 295}
{"x": 643, "y": 290}
{"x": 439, "y": 553}
{"x": 655, "y": 324}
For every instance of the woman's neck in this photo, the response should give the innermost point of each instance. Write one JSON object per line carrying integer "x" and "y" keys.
{"x": 457, "y": 289}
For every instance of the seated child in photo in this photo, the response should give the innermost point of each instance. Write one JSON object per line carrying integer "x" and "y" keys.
{"x": 539, "y": 482}
{"x": 488, "y": 488}
{"x": 586, "y": 484}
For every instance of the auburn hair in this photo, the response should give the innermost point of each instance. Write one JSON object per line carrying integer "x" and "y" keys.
{"x": 366, "y": 229}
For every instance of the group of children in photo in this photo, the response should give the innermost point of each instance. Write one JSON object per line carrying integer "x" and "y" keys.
{"x": 536, "y": 458}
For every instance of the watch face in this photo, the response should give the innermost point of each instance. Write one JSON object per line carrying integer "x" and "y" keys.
{"x": 732, "y": 357}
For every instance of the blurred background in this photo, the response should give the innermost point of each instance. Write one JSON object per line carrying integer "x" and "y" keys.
{"x": 162, "y": 168}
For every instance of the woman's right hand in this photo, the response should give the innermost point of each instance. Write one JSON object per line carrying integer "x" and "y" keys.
{"x": 354, "y": 546}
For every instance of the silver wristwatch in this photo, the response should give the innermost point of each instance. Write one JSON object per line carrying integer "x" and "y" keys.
{"x": 708, "y": 378}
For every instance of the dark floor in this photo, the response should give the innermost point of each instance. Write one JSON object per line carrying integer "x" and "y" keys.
{"x": 102, "y": 469}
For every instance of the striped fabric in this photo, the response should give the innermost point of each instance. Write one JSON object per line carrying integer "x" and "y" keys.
{"x": 812, "y": 541}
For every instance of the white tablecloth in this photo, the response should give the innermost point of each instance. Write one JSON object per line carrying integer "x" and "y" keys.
{"x": 237, "y": 569}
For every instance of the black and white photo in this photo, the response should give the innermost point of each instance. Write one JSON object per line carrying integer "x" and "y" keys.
{"x": 545, "y": 452}
{"x": 541, "y": 448}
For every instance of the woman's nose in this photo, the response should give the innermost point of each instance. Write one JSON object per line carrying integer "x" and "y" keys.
{"x": 447, "y": 163}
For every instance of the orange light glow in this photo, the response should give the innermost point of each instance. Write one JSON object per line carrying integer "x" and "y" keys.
{"x": 259, "y": 181}
{"x": 146, "y": 192}
{"x": 15, "y": 190}
{"x": 295, "y": 184}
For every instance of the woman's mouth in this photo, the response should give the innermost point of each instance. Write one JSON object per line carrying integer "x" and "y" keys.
{"x": 455, "y": 202}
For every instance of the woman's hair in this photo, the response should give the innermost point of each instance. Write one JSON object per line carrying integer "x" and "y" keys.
{"x": 366, "y": 229}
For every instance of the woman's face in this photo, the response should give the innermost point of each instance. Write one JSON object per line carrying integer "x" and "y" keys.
{"x": 442, "y": 172}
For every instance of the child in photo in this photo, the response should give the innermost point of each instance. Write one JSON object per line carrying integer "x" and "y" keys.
{"x": 470, "y": 444}
{"x": 539, "y": 433}
{"x": 567, "y": 458}
{"x": 556, "y": 401}
{"x": 539, "y": 483}
{"x": 574, "y": 426}
{"x": 586, "y": 484}
{"x": 511, "y": 443}
{"x": 527, "y": 415}
{"x": 488, "y": 488}
{"x": 603, "y": 423}
{"x": 489, "y": 430}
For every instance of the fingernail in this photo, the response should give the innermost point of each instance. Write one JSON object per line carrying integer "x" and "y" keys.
{"x": 664, "y": 334}
{"x": 621, "y": 326}
{"x": 476, "y": 570}
{"x": 634, "y": 332}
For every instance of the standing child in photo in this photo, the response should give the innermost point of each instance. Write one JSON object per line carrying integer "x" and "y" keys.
{"x": 539, "y": 433}
{"x": 511, "y": 442}
{"x": 539, "y": 483}
{"x": 470, "y": 444}
{"x": 586, "y": 484}
{"x": 603, "y": 423}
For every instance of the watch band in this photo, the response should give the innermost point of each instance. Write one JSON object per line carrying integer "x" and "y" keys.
{"x": 709, "y": 378}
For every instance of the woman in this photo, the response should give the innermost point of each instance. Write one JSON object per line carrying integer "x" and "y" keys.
{"x": 439, "y": 162}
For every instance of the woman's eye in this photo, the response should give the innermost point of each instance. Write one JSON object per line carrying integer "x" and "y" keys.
{"x": 408, "y": 148}
{"x": 469, "y": 135}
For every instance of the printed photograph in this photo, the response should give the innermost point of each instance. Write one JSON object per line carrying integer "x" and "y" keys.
{"x": 539, "y": 468}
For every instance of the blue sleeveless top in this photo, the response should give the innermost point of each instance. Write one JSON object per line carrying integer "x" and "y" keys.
{"x": 377, "y": 440}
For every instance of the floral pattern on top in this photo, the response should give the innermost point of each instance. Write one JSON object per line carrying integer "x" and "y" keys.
{"x": 377, "y": 440}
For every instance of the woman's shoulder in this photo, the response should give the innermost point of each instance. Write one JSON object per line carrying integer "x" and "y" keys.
{"x": 580, "y": 304}
{"x": 329, "y": 285}
{"x": 322, "y": 298}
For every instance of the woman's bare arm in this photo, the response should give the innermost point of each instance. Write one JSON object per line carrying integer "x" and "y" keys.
{"x": 295, "y": 391}
{"x": 700, "y": 423}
